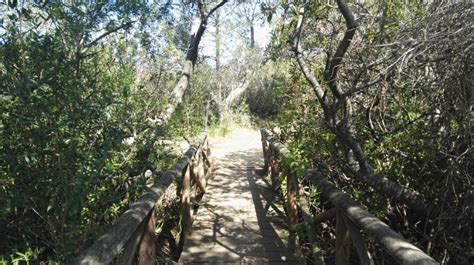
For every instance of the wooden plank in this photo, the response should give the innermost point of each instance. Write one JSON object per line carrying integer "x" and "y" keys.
{"x": 107, "y": 247}
{"x": 147, "y": 248}
{"x": 392, "y": 242}
{"x": 343, "y": 243}
{"x": 359, "y": 243}
{"x": 236, "y": 224}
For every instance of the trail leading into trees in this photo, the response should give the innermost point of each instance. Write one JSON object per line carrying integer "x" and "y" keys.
{"x": 240, "y": 219}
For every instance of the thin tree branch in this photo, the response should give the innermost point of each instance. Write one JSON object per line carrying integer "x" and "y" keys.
{"x": 363, "y": 86}
{"x": 105, "y": 34}
{"x": 216, "y": 7}
{"x": 304, "y": 68}
{"x": 330, "y": 72}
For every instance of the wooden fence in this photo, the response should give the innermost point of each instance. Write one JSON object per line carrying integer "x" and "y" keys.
{"x": 132, "y": 238}
{"x": 351, "y": 218}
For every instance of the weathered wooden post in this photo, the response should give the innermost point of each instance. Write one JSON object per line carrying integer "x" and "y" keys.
{"x": 201, "y": 174}
{"x": 274, "y": 169}
{"x": 142, "y": 242}
{"x": 147, "y": 248}
{"x": 208, "y": 152}
{"x": 318, "y": 258}
{"x": 265, "y": 150}
{"x": 343, "y": 242}
{"x": 292, "y": 191}
{"x": 359, "y": 243}
{"x": 197, "y": 171}
{"x": 186, "y": 203}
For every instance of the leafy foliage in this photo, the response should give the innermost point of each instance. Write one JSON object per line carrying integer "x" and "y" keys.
{"x": 75, "y": 124}
{"x": 408, "y": 97}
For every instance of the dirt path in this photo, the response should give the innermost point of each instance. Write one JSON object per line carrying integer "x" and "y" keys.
{"x": 240, "y": 218}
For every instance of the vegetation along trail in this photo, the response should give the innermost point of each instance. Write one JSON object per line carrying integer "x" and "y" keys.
{"x": 113, "y": 116}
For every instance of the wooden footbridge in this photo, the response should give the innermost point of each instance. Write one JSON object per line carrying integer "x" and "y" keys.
{"x": 231, "y": 213}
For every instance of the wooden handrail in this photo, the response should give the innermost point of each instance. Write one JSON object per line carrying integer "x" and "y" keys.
{"x": 396, "y": 192}
{"x": 133, "y": 229}
{"x": 350, "y": 215}
{"x": 382, "y": 234}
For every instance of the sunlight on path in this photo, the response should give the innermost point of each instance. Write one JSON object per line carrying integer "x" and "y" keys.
{"x": 239, "y": 139}
{"x": 239, "y": 219}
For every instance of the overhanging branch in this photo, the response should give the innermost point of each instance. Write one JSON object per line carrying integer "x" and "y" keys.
{"x": 330, "y": 73}
{"x": 308, "y": 74}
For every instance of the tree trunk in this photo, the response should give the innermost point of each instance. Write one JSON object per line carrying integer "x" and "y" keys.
{"x": 218, "y": 44}
{"x": 197, "y": 30}
{"x": 252, "y": 37}
{"x": 218, "y": 69}
{"x": 341, "y": 128}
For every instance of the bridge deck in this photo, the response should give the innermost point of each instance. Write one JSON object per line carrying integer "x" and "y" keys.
{"x": 240, "y": 219}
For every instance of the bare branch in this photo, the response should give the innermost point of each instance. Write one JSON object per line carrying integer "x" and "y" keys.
{"x": 105, "y": 34}
{"x": 216, "y": 7}
{"x": 363, "y": 86}
{"x": 330, "y": 72}
{"x": 304, "y": 68}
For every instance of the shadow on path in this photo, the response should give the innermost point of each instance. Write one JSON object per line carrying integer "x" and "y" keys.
{"x": 241, "y": 219}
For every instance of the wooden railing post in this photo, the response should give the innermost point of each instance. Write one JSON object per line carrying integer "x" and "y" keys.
{"x": 343, "y": 242}
{"x": 274, "y": 169}
{"x": 318, "y": 258}
{"x": 186, "y": 204}
{"x": 359, "y": 243}
{"x": 350, "y": 216}
{"x": 197, "y": 171}
{"x": 147, "y": 248}
{"x": 208, "y": 152}
{"x": 206, "y": 155}
{"x": 265, "y": 151}
{"x": 272, "y": 164}
{"x": 201, "y": 174}
{"x": 133, "y": 234}
{"x": 292, "y": 192}
{"x": 135, "y": 241}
